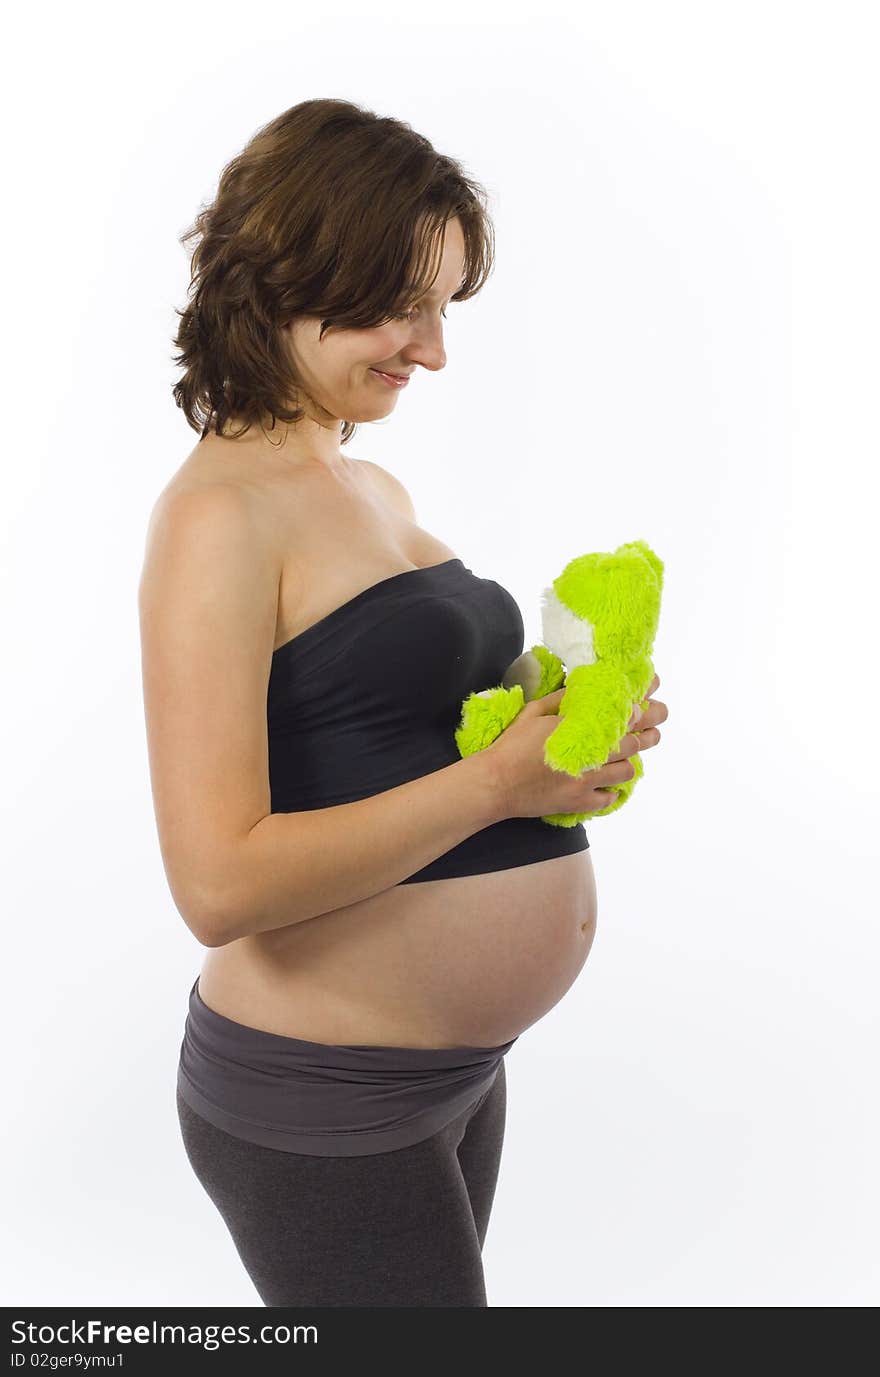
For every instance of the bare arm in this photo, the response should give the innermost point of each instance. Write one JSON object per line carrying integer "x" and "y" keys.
{"x": 295, "y": 866}
{"x": 207, "y": 600}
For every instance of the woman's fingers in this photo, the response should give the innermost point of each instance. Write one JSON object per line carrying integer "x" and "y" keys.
{"x": 635, "y": 742}
{"x": 645, "y": 723}
{"x": 655, "y": 713}
{"x": 650, "y": 716}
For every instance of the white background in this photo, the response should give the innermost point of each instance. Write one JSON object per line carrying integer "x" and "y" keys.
{"x": 679, "y": 343}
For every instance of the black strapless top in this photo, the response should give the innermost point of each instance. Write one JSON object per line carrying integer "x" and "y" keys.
{"x": 370, "y": 696}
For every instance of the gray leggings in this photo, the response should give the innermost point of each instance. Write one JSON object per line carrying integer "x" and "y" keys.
{"x": 399, "y": 1228}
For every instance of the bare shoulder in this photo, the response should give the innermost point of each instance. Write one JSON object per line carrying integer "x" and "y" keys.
{"x": 216, "y": 471}
{"x": 391, "y": 487}
{"x": 209, "y": 517}
{"x": 200, "y": 504}
{"x": 213, "y": 484}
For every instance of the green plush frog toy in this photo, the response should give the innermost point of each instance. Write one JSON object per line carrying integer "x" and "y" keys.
{"x": 598, "y": 619}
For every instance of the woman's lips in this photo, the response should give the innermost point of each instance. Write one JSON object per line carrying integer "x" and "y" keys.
{"x": 390, "y": 379}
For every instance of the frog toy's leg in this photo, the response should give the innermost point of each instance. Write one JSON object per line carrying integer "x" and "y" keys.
{"x": 485, "y": 715}
{"x": 576, "y": 745}
{"x": 538, "y": 671}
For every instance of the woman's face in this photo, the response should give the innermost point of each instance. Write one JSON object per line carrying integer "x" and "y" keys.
{"x": 338, "y": 374}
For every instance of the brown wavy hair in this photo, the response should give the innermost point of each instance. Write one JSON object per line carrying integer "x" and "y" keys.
{"x": 331, "y": 211}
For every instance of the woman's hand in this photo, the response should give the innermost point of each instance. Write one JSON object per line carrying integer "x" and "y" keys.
{"x": 646, "y": 722}
{"x": 528, "y": 788}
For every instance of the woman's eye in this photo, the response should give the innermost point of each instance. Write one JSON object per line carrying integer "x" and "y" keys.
{"x": 407, "y": 315}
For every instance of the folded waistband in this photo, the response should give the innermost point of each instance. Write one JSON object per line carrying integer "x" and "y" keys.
{"x": 325, "y": 1098}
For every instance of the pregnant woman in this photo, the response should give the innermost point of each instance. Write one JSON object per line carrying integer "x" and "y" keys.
{"x": 382, "y": 918}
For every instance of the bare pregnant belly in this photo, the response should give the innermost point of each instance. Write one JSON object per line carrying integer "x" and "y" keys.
{"x": 471, "y": 960}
